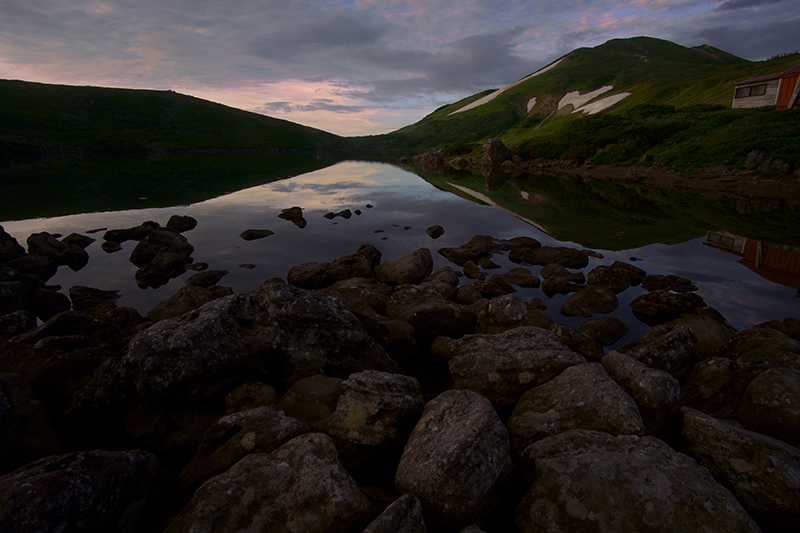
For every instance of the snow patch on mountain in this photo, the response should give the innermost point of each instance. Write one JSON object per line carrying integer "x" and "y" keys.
{"x": 602, "y": 104}
{"x": 489, "y": 97}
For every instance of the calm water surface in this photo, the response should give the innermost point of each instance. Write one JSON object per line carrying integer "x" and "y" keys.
{"x": 403, "y": 206}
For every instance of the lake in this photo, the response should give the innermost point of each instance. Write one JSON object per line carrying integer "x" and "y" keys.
{"x": 666, "y": 231}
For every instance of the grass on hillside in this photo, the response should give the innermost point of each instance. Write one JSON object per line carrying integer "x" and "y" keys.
{"x": 688, "y": 138}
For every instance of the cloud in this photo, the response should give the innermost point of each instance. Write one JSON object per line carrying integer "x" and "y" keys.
{"x": 349, "y": 64}
{"x": 745, "y": 4}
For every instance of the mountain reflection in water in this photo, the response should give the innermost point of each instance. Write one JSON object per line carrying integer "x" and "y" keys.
{"x": 617, "y": 222}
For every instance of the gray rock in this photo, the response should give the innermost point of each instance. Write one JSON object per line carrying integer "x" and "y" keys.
{"x": 207, "y": 278}
{"x": 300, "y": 487}
{"x": 10, "y": 431}
{"x": 581, "y": 397}
{"x": 661, "y": 306}
{"x": 762, "y": 472}
{"x": 605, "y": 331}
{"x": 521, "y": 277}
{"x": 136, "y": 233}
{"x": 16, "y": 323}
{"x": 356, "y": 290}
{"x": 84, "y": 298}
{"x": 250, "y": 396}
{"x": 554, "y": 269}
{"x": 666, "y": 347}
{"x": 592, "y": 481}
{"x": 9, "y": 247}
{"x": 754, "y": 158}
{"x": 320, "y": 275}
{"x": 771, "y": 405}
{"x": 277, "y": 333}
{"x": 430, "y": 314}
{"x": 764, "y": 343}
{"x": 503, "y": 366}
{"x": 85, "y": 491}
{"x": 559, "y": 285}
{"x": 457, "y": 461}
{"x": 712, "y": 330}
{"x": 255, "y": 234}
{"x": 374, "y": 415}
{"x": 404, "y": 515}
{"x": 411, "y": 268}
{"x": 496, "y": 153}
{"x": 312, "y": 399}
{"x": 76, "y": 239}
{"x": 294, "y": 215}
{"x": 187, "y": 298}
{"x": 434, "y": 232}
{"x": 158, "y": 239}
{"x": 716, "y": 385}
{"x": 615, "y": 278}
{"x": 181, "y": 223}
{"x": 579, "y": 342}
{"x": 655, "y": 392}
{"x": 232, "y": 437}
{"x": 590, "y": 300}
{"x": 500, "y": 314}
{"x": 444, "y": 282}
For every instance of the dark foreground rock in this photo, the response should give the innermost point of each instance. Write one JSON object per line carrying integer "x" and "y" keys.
{"x": 457, "y": 461}
{"x": 763, "y": 473}
{"x": 269, "y": 489}
{"x": 591, "y": 481}
{"x": 87, "y": 491}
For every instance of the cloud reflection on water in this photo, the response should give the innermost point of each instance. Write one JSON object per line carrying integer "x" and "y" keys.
{"x": 400, "y": 200}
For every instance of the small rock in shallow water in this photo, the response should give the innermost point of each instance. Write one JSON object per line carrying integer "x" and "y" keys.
{"x": 248, "y": 266}
{"x": 434, "y": 232}
{"x": 253, "y": 234}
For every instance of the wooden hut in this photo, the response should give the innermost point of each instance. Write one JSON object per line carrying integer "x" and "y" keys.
{"x": 780, "y": 90}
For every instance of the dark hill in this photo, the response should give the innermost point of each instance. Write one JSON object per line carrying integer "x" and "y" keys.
{"x": 37, "y": 117}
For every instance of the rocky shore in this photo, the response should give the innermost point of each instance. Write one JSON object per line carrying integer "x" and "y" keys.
{"x": 376, "y": 395}
{"x": 759, "y": 176}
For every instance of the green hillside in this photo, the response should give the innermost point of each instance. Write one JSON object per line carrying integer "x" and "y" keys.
{"x": 680, "y": 102}
{"x": 37, "y": 118}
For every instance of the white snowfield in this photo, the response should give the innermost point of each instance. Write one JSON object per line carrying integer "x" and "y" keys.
{"x": 582, "y": 103}
{"x": 489, "y": 97}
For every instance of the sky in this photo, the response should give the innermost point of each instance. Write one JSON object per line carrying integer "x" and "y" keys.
{"x": 353, "y": 67}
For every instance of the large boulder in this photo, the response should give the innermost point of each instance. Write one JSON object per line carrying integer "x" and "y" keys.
{"x": 404, "y": 515}
{"x": 319, "y": 275}
{"x": 666, "y": 347}
{"x": 430, "y": 314}
{"x": 277, "y": 331}
{"x": 300, "y": 487}
{"x": 579, "y": 342}
{"x": 482, "y": 247}
{"x": 661, "y": 306}
{"x": 762, "y": 472}
{"x": 9, "y": 247}
{"x": 313, "y": 398}
{"x": 185, "y": 299}
{"x": 457, "y": 461}
{"x": 764, "y": 343}
{"x": 712, "y": 330}
{"x": 592, "y": 481}
{"x": 716, "y": 386}
{"x": 590, "y": 300}
{"x": 496, "y": 153}
{"x": 373, "y": 416}
{"x": 605, "y": 331}
{"x": 617, "y": 277}
{"x": 260, "y": 430}
{"x": 771, "y": 405}
{"x": 85, "y": 491}
{"x": 655, "y": 392}
{"x": 581, "y": 397}
{"x": 411, "y": 268}
{"x": 503, "y": 366}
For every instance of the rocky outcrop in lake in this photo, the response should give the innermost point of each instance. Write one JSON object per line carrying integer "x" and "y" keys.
{"x": 375, "y": 394}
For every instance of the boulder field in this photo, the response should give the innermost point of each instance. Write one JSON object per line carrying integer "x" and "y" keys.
{"x": 379, "y": 396}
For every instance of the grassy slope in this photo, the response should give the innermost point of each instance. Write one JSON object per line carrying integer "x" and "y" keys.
{"x": 36, "y": 117}
{"x": 687, "y": 134}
